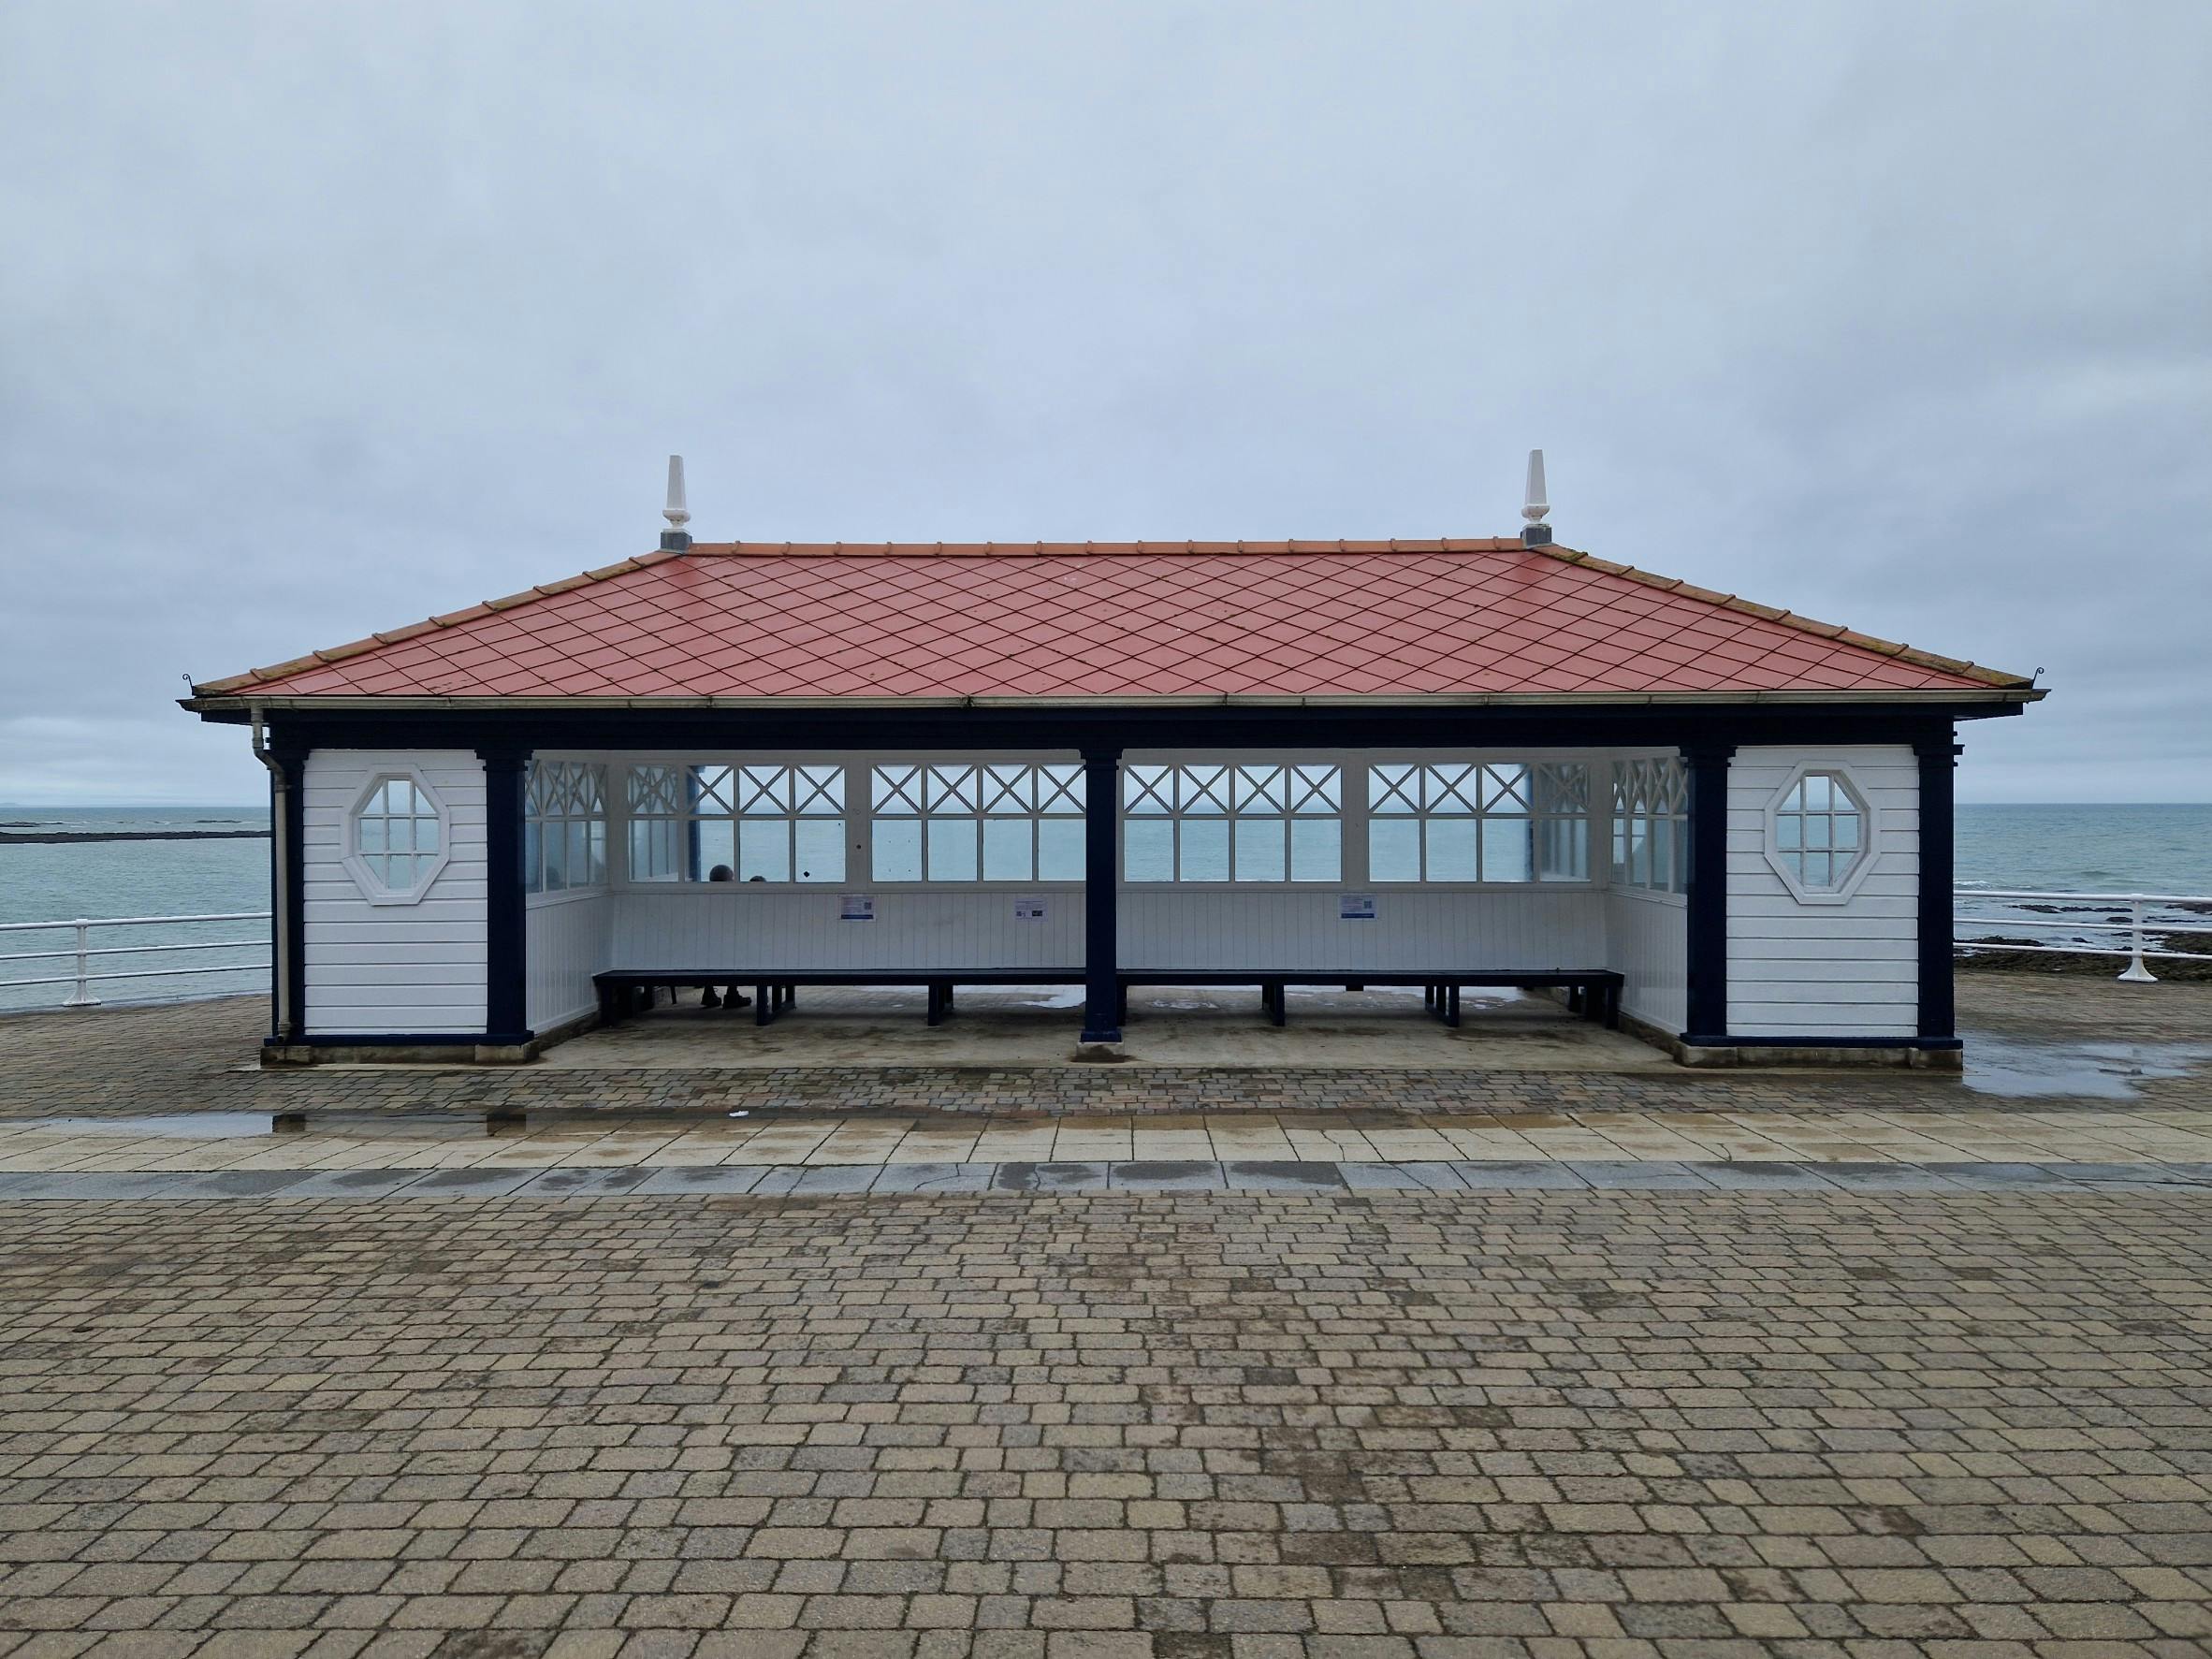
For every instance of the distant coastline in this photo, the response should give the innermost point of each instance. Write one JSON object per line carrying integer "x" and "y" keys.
{"x": 66, "y": 838}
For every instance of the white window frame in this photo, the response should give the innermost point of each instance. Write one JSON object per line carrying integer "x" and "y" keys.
{"x": 1868, "y": 839}
{"x": 792, "y": 784}
{"x": 1652, "y": 789}
{"x": 924, "y": 789}
{"x": 1288, "y": 788}
{"x": 1459, "y": 772}
{"x": 557, "y": 793}
{"x": 372, "y": 884}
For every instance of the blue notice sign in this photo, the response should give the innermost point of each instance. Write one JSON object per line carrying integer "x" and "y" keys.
{"x": 1355, "y": 907}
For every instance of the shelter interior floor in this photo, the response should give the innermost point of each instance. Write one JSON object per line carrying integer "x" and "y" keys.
{"x": 1383, "y": 1028}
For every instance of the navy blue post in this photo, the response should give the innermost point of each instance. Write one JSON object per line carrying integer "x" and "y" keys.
{"x": 1938, "y": 765}
{"x": 1707, "y": 918}
{"x": 506, "y": 982}
{"x": 287, "y": 808}
{"x": 1101, "y": 878}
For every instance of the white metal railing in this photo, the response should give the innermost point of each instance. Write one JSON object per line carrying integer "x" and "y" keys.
{"x": 83, "y": 949}
{"x": 2151, "y": 917}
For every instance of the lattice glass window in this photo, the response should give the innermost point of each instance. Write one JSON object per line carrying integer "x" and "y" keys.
{"x": 772, "y": 823}
{"x": 1819, "y": 831}
{"x": 1467, "y": 821}
{"x": 398, "y": 835}
{"x": 564, "y": 826}
{"x": 1228, "y": 823}
{"x": 992, "y": 822}
{"x": 1651, "y": 825}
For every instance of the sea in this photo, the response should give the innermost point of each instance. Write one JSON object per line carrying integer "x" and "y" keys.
{"x": 2068, "y": 848}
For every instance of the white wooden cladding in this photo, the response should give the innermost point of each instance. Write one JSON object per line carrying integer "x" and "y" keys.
{"x": 1849, "y": 969}
{"x": 571, "y": 937}
{"x": 1162, "y": 928}
{"x": 1648, "y": 943}
{"x": 762, "y": 928}
{"x": 377, "y": 969}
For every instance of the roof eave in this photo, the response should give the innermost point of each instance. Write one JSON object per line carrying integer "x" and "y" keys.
{"x": 243, "y": 702}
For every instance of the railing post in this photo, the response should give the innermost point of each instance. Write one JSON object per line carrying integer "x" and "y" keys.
{"x": 2136, "y": 973}
{"x": 82, "y": 997}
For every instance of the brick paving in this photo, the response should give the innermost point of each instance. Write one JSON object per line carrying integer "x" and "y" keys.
{"x": 1390, "y": 1425}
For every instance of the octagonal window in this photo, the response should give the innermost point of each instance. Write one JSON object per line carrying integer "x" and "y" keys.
{"x": 1819, "y": 831}
{"x": 398, "y": 836}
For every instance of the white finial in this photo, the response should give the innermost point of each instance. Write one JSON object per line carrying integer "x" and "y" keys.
{"x": 676, "y": 512}
{"x": 1536, "y": 506}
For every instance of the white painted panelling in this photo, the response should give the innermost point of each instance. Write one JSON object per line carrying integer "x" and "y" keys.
{"x": 1824, "y": 970}
{"x": 570, "y": 937}
{"x": 1648, "y": 941}
{"x": 699, "y": 927}
{"x": 351, "y": 944}
{"x": 1533, "y": 926}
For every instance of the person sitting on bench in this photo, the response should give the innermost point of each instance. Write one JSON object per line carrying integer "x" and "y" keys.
{"x": 731, "y": 997}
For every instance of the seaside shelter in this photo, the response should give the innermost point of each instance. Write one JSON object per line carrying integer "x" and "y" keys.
{"x": 1438, "y": 762}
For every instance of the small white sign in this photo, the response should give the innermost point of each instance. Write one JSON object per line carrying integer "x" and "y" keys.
{"x": 1355, "y": 907}
{"x": 1028, "y": 909}
{"x": 856, "y": 906}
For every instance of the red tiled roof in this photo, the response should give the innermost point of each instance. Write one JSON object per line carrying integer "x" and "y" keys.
{"x": 1067, "y": 623}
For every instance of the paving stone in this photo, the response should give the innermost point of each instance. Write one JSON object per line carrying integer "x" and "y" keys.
{"x": 469, "y": 1183}
{"x": 705, "y": 1178}
{"x": 1166, "y": 1175}
{"x": 1764, "y": 1175}
{"x": 934, "y": 1177}
{"x": 354, "y": 1184}
{"x": 1639, "y": 1176}
{"x": 584, "y": 1181}
{"x": 1059, "y": 1177}
{"x": 1280, "y": 1175}
{"x": 1409, "y": 1177}
{"x": 1507, "y": 1175}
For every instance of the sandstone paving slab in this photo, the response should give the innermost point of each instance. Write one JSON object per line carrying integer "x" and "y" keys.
{"x": 948, "y": 1176}
{"x": 1089, "y": 1177}
{"x": 1430, "y": 1175}
{"x": 703, "y": 1179}
{"x": 1762, "y": 1175}
{"x": 1509, "y": 1175}
{"x": 1279, "y": 1176}
{"x": 580, "y": 1181}
{"x": 353, "y": 1184}
{"x": 1640, "y": 1174}
{"x": 469, "y": 1183}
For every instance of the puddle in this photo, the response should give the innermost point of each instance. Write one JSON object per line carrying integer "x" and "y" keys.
{"x": 2095, "y": 1070}
{"x": 179, "y": 1125}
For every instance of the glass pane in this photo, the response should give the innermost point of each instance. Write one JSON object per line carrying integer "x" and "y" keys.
{"x": 820, "y": 790}
{"x": 372, "y": 836}
{"x": 1451, "y": 850}
{"x": 711, "y": 789}
{"x": 822, "y": 848}
{"x": 1007, "y": 789}
{"x": 1315, "y": 789}
{"x": 1393, "y": 789}
{"x": 1202, "y": 790}
{"x": 1846, "y": 832}
{"x": 1005, "y": 849}
{"x": 1204, "y": 850}
{"x": 1317, "y": 849}
{"x": 426, "y": 833}
{"x": 1566, "y": 849}
{"x": 1509, "y": 851}
{"x": 950, "y": 789}
{"x": 579, "y": 854}
{"x": 1147, "y": 789}
{"x": 1682, "y": 856}
{"x": 1639, "y": 852}
{"x": 898, "y": 790}
{"x": 1059, "y": 789}
{"x": 952, "y": 849}
{"x": 1620, "y": 851}
{"x": 533, "y": 876}
{"x": 1450, "y": 788}
{"x": 764, "y": 791}
{"x": 1393, "y": 850}
{"x": 1662, "y": 850}
{"x": 898, "y": 850}
{"x": 1148, "y": 850}
{"x": 1059, "y": 849}
{"x": 1504, "y": 789}
{"x": 1789, "y": 832}
{"x": 556, "y": 861}
{"x": 596, "y": 852}
{"x": 764, "y": 850}
{"x": 652, "y": 850}
{"x": 1818, "y": 868}
{"x": 714, "y": 847}
{"x": 1260, "y": 848}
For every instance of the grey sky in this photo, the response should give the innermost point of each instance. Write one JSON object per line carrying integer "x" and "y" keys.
{"x": 319, "y": 319}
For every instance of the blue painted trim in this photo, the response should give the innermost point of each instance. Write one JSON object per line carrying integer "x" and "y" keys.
{"x": 1938, "y": 850}
{"x": 506, "y": 915}
{"x": 1706, "y": 922}
{"x": 1101, "y": 873}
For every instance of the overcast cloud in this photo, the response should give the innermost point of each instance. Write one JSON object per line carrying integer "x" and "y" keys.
{"x": 317, "y": 319}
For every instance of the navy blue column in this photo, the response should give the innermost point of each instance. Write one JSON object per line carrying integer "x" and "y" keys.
{"x": 1708, "y": 766}
{"x": 1938, "y": 756}
{"x": 1102, "y": 885}
{"x": 507, "y": 945}
{"x": 287, "y": 923}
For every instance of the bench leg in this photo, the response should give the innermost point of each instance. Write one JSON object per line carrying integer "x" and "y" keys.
{"x": 764, "y": 1004}
{"x": 1451, "y": 1006}
{"x": 1612, "y": 1008}
{"x": 1121, "y": 1006}
{"x": 937, "y": 1002}
{"x": 1278, "y": 1011}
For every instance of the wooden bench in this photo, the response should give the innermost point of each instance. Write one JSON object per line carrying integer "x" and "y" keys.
{"x": 1592, "y": 992}
{"x": 776, "y": 990}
